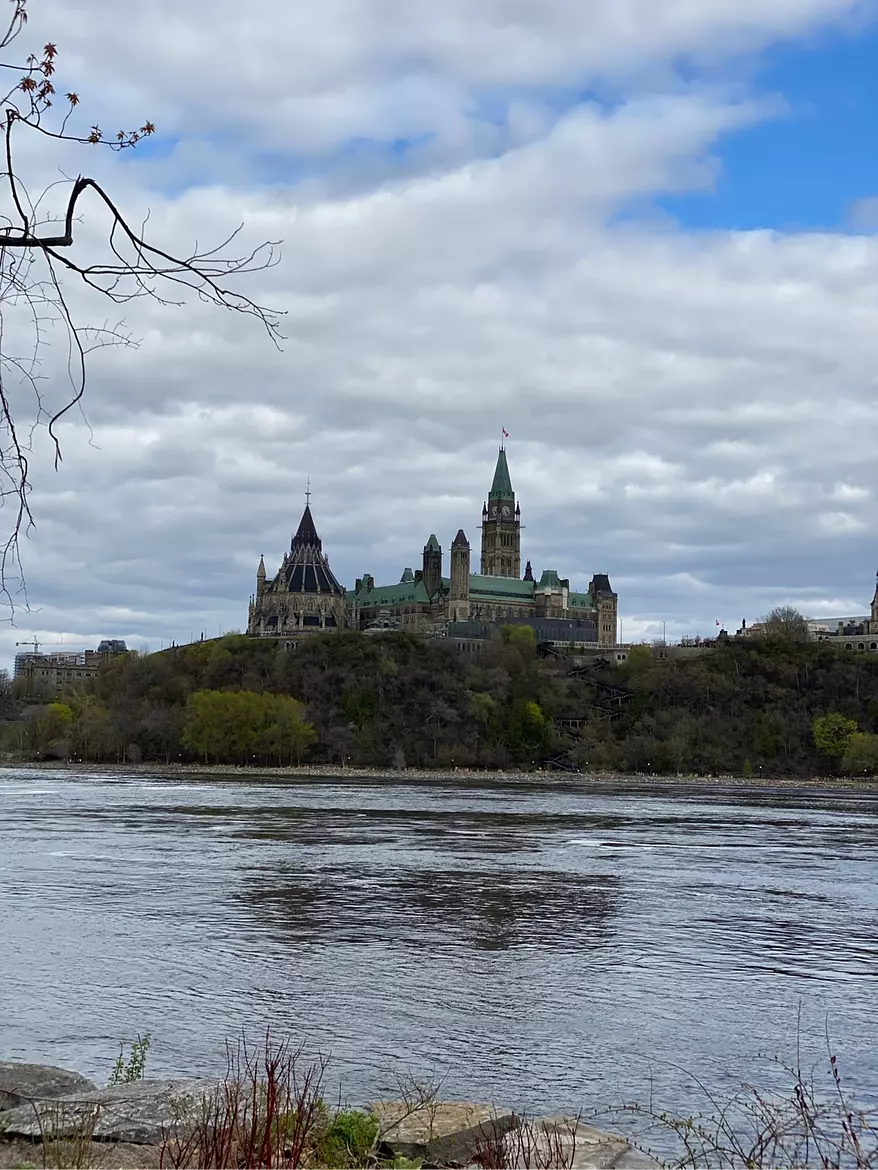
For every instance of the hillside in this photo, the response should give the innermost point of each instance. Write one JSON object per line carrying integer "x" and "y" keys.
{"x": 396, "y": 700}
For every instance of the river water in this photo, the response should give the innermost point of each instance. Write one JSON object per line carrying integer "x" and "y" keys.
{"x": 557, "y": 945}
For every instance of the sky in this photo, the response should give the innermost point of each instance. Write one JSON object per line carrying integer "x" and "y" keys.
{"x": 642, "y": 237}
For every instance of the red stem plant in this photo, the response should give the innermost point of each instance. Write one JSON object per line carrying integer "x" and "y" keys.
{"x": 265, "y": 1113}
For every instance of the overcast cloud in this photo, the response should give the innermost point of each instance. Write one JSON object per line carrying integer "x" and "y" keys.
{"x": 469, "y": 199}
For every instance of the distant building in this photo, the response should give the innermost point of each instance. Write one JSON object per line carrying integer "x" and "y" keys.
{"x": 467, "y": 604}
{"x": 304, "y": 596}
{"x": 858, "y": 634}
{"x": 47, "y": 675}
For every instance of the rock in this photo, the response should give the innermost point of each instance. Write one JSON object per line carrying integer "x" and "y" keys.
{"x": 447, "y": 1134}
{"x": 571, "y": 1144}
{"x": 20, "y": 1083}
{"x": 143, "y": 1113}
{"x": 464, "y": 1135}
{"x": 18, "y": 1152}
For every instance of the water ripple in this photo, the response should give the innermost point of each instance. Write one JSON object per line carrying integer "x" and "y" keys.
{"x": 542, "y": 944}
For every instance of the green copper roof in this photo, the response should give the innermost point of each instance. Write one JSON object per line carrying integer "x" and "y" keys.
{"x": 508, "y": 588}
{"x": 403, "y": 593}
{"x": 501, "y": 488}
{"x": 580, "y": 600}
{"x": 407, "y": 577}
{"x": 432, "y": 544}
{"x": 550, "y": 579}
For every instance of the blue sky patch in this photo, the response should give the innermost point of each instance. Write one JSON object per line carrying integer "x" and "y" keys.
{"x": 802, "y": 170}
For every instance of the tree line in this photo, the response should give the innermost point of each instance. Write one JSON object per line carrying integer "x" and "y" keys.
{"x": 773, "y": 705}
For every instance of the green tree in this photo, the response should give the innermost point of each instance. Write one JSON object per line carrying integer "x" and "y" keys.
{"x": 482, "y": 710}
{"x": 861, "y": 754}
{"x": 521, "y": 636}
{"x": 284, "y": 733}
{"x": 240, "y": 726}
{"x": 59, "y": 720}
{"x": 47, "y": 729}
{"x": 528, "y": 730}
{"x": 641, "y": 670}
{"x": 91, "y": 726}
{"x": 832, "y": 733}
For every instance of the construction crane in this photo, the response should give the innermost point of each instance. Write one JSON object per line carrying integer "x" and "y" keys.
{"x": 61, "y": 646}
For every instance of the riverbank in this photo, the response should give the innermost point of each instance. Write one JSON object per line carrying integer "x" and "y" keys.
{"x": 269, "y": 1111}
{"x": 538, "y": 776}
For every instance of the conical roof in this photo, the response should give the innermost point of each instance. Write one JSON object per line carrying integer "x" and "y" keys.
{"x": 432, "y": 544}
{"x": 501, "y": 488}
{"x": 307, "y": 570}
{"x": 460, "y": 539}
{"x": 306, "y": 533}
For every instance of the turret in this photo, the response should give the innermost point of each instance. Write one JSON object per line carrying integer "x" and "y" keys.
{"x": 260, "y": 577}
{"x": 459, "y": 598}
{"x": 432, "y": 567}
{"x": 606, "y": 603}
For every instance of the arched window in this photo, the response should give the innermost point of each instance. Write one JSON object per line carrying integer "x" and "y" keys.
{"x": 848, "y": 646}
{"x": 861, "y": 645}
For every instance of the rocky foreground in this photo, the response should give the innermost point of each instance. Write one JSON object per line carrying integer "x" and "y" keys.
{"x": 52, "y": 1117}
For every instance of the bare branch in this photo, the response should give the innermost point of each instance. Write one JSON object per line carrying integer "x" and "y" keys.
{"x": 38, "y": 252}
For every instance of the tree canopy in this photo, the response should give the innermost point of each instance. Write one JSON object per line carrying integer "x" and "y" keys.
{"x": 760, "y": 706}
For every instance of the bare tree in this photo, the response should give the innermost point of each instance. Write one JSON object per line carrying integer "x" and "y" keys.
{"x": 785, "y": 621}
{"x": 39, "y": 259}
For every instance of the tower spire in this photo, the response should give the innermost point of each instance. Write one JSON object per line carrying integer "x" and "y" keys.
{"x": 501, "y": 487}
{"x": 308, "y": 491}
{"x": 501, "y": 524}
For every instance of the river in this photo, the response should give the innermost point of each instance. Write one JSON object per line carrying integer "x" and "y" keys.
{"x": 552, "y": 945}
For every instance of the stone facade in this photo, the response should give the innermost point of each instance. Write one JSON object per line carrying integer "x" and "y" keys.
{"x": 857, "y": 634}
{"x": 305, "y": 597}
{"x": 47, "y": 675}
{"x": 424, "y": 601}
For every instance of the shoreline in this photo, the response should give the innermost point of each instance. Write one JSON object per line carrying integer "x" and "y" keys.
{"x": 341, "y": 772}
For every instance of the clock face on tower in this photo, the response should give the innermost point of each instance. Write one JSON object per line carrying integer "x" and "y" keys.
{"x": 506, "y": 510}
{"x": 494, "y": 510}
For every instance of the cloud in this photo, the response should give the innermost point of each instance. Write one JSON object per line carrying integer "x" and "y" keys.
{"x": 863, "y": 214}
{"x": 684, "y": 407}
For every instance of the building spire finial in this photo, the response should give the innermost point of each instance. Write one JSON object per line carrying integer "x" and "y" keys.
{"x": 308, "y": 492}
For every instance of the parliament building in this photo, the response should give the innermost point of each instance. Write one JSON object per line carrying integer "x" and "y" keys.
{"x": 305, "y": 596}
